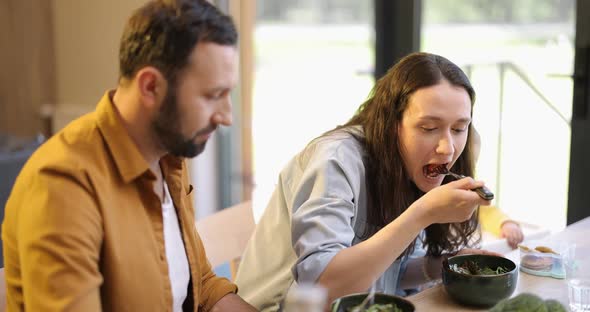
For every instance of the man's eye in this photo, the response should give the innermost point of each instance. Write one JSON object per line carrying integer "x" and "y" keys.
{"x": 218, "y": 95}
{"x": 214, "y": 96}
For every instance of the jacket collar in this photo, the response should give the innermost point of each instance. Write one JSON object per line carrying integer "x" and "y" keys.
{"x": 129, "y": 161}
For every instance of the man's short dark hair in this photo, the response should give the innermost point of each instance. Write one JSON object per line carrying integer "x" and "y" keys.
{"x": 163, "y": 34}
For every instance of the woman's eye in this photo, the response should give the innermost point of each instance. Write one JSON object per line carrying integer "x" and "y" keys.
{"x": 427, "y": 129}
{"x": 459, "y": 130}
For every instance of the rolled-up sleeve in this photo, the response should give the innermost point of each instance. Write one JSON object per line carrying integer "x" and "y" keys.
{"x": 323, "y": 212}
{"x": 213, "y": 287}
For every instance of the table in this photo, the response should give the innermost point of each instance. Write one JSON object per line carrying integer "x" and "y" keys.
{"x": 436, "y": 299}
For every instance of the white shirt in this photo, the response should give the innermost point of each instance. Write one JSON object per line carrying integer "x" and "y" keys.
{"x": 178, "y": 269}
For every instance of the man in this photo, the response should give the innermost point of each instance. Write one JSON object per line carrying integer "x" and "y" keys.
{"x": 100, "y": 218}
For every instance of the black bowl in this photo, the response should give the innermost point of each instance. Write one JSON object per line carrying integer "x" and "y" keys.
{"x": 342, "y": 304}
{"x": 480, "y": 290}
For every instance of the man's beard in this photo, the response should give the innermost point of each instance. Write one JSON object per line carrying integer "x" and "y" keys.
{"x": 167, "y": 129}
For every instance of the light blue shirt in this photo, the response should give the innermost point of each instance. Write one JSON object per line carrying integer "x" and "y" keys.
{"x": 317, "y": 209}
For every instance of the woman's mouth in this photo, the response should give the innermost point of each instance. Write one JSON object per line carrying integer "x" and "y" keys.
{"x": 434, "y": 170}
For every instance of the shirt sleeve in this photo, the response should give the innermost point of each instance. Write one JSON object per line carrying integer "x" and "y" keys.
{"x": 323, "y": 211}
{"x": 213, "y": 287}
{"x": 491, "y": 219}
{"x": 59, "y": 240}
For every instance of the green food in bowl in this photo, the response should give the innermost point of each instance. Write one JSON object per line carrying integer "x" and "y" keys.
{"x": 344, "y": 304}
{"x": 379, "y": 308}
{"x": 482, "y": 290}
{"x": 471, "y": 267}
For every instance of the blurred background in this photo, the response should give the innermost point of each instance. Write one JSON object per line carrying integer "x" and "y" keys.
{"x": 305, "y": 68}
{"x": 315, "y": 62}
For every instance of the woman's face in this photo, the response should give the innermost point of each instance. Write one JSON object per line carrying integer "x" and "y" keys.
{"x": 434, "y": 130}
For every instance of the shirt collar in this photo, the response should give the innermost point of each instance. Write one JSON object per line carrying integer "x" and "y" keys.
{"x": 172, "y": 166}
{"x": 129, "y": 161}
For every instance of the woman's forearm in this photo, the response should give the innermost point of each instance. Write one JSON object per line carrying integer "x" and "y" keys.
{"x": 354, "y": 269}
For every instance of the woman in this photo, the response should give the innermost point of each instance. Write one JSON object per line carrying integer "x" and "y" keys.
{"x": 356, "y": 205}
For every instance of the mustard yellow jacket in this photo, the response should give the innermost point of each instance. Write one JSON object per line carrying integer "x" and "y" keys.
{"x": 83, "y": 229}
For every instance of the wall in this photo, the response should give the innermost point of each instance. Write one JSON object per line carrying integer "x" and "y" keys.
{"x": 26, "y": 63}
{"x": 87, "y": 35}
{"x": 64, "y": 53}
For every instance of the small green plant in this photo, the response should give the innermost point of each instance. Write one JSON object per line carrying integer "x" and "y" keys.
{"x": 528, "y": 303}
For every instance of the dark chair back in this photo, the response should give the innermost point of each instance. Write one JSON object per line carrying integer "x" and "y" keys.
{"x": 13, "y": 155}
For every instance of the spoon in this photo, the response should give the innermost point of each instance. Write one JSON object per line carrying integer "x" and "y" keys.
{"x": 525, "y": 248}
{"x": 434, "y": 170}
{"x": 541, "y": 249}
{"x": 367, "y": 301}
{"x": 445, "y": 263}
{"x": 544, "y": 249}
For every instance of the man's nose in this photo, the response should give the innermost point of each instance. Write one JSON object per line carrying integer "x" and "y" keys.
{"x": 223, "y": 116}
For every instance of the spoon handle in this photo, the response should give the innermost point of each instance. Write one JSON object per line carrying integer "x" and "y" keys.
{"x": 367, "y": 302}
{"x": 483, "y": 191}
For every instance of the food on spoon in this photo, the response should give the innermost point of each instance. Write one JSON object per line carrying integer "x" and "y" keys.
{"x": 433, "y": 170}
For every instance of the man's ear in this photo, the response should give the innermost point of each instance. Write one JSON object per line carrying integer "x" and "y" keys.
{"x": 152, "y": 86}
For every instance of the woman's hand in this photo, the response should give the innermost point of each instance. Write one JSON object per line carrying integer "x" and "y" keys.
{"x": 452, "y": 202}
{"x": 512, "y": 232}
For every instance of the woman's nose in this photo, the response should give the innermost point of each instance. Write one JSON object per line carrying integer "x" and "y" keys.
{"x": 445, "y": 146}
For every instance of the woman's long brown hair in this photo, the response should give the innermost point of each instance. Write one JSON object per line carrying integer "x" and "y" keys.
{"x": 390, "y": 190}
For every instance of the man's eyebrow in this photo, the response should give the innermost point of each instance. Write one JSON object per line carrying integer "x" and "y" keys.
{"x": 218, "y": 89}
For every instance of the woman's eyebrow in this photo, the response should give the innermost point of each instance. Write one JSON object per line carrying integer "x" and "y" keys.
{"x": 436, "y": 118}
